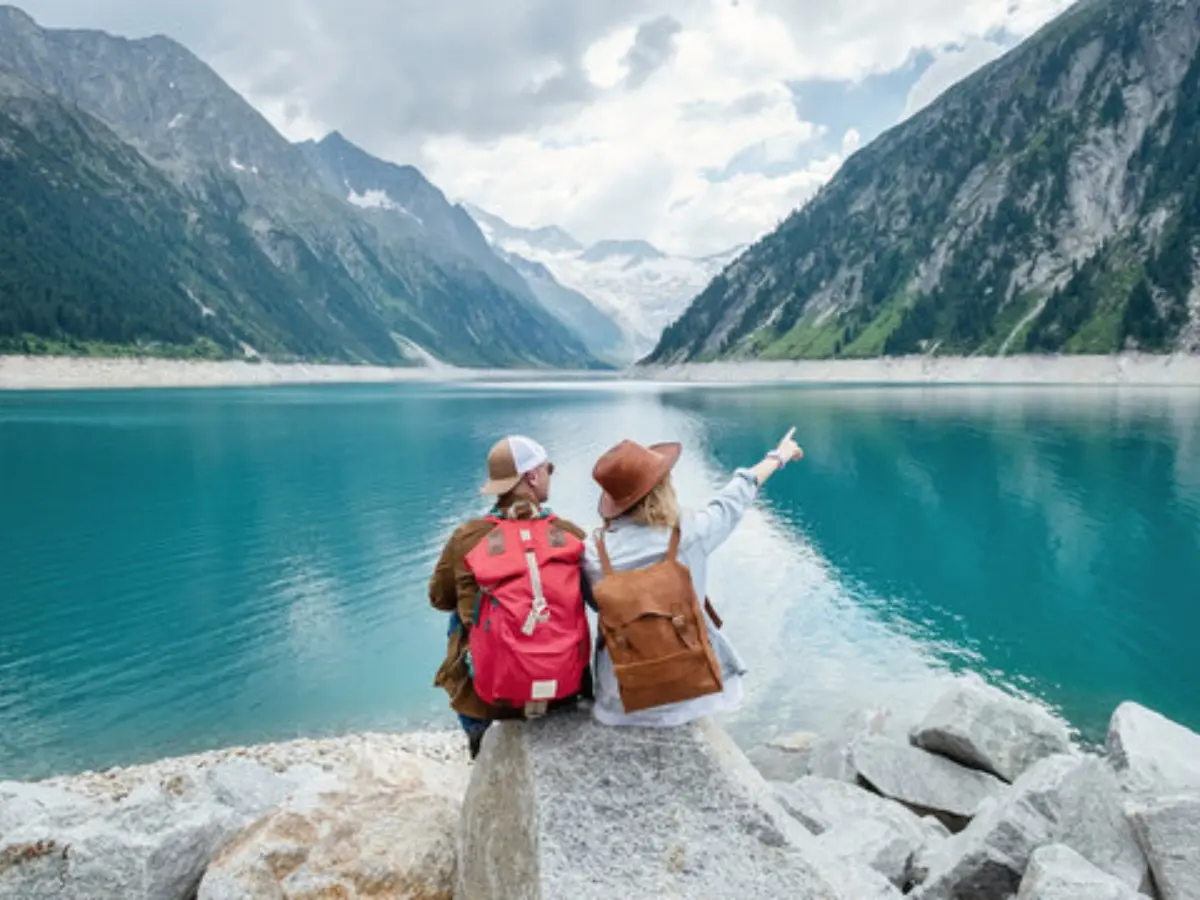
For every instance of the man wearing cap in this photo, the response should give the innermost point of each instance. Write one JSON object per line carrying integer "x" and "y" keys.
{"x": 519, "y": 472}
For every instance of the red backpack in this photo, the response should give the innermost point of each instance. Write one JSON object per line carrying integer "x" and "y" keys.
{"x": 530, "y": 642}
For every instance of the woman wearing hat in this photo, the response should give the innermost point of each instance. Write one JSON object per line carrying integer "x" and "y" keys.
{"x": 640, "y": 513}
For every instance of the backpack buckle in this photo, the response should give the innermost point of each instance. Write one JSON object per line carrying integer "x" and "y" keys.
{"x": 535, "y": 710}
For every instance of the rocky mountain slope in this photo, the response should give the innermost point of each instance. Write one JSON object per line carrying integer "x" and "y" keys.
{"x": 631, "y": 281}
{"x": 1048, "y": 203}
{"x": 599, "y": 331}
{"x": 402, "y": 193}
{"x": 327, "y": 279}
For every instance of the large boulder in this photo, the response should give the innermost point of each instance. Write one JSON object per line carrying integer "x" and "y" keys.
{"x": 1056, "y": 872}
{"x": 1169, "y": 831}
{"x": 831, "y": 754}
{"x": 389, "y": 836}
{"x": 149, "y": 832}
{"x": 981, "y": 726}
{"x": 922, "y": 781}
{"x": 856, "y": 825}
{"x": 1067, "y": 799}
{"x": 563, "y": 807}
{"x": 784, "y": 759}
{"x": 1152, "y": 754}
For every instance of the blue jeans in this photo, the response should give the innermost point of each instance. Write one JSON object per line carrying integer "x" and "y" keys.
{"x": 470, "y": 724}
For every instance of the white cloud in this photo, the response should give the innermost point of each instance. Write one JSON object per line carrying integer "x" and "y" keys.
{"x": 551, "y": 111}
{"x": 949, "y": 67}
{"x": 851, "y": 141}
{"x": 633, "y": 163}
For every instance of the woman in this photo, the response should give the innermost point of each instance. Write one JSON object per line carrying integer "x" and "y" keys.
{"x": 640, "y": 513}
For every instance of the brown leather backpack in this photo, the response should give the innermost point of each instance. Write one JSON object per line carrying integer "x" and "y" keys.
{"x": 655, "y": 633}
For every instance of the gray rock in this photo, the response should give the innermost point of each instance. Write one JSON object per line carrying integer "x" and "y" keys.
{"x": 1071, "y": 800}
{"x": 982, "y": 727}
{"x": 875, "y": 842}
{"x": 857, "y": 825}
{"x": 563, "y": 807}
{"x": 1151, "y": 753}
{"x": 151, "y": 844}
{"x": 922, "y": 781}
{"x": 784, "y": 759}
{"x": 149, "y": 832}
{"x": 1169, "y": 831}
{"x": 1056, "y": 872}
{"x": 830, "y": 756}
{"x": 385, "y": 840}
{"x": 823, "y": 803}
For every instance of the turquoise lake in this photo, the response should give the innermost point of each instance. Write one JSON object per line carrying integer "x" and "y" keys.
{"x": 188, "y": 569}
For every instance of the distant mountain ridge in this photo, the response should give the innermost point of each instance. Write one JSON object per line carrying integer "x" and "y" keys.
{"x": 629, "y": 249}
{"x": 633, "y": 282}
{"x": 1048, "y": 203}
{"x": 549, "y": 237}
{"x": 318, "y": 275}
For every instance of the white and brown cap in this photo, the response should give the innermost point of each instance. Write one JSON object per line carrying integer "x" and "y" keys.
{"x": 509, "y": 461}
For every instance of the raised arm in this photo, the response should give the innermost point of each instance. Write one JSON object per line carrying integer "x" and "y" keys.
{"x": 716, "y": 521}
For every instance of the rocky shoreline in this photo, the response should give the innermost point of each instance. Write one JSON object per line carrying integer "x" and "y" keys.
{"x": 368, "y": 815}
{"x": 27, "y": 373}
{"x": 1131, "y": 369}
{"x": 987, "y": 797}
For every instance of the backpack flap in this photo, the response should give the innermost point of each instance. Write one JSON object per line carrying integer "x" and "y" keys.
{"x": 625, "y": 597}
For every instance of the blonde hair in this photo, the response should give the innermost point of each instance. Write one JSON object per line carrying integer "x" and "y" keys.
{"x": 658, "y": 508}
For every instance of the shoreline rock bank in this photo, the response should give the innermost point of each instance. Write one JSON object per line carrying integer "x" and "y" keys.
{"x": 355, "y": 814}
{"x": 987, "y": 797}
{"x": 1062, "y": 822}
{"x": 1180, "y": 370}
{"x": 80, "y": 373}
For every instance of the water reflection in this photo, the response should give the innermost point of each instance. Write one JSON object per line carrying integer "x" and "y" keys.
{"x": 1048, "y": 532}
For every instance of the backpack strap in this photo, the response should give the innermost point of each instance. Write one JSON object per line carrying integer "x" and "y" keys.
{"x": 602, "y": 551}
{"x": 673, "y": 548}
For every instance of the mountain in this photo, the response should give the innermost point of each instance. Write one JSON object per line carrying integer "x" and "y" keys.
{"x": 316, "y": 266}
{"x": 551, "y": 238}
{"x": 97, "y": 243}
{"x": 600, "y": 333}
{"x": 1048, "y": 203}
{"x": 402, "y": 192}
{"x": 639, "y": 286}
{"x": 406, "y": 197}
{"x": 627, "y": 249}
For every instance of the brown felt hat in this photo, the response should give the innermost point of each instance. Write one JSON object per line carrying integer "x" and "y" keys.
{"x": 629, "y": 471}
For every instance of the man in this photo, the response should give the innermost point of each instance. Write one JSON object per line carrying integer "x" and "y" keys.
{"x": 519, "y": 473}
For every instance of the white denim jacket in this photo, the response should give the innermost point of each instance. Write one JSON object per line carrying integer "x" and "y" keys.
{"x": 634, "y": 546}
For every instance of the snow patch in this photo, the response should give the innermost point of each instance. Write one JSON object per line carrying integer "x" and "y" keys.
{"x": 239, "y": 167}
{"x": 377, "y": 199}
{"x": 204, "y": 310}
{"x": 176, "y": 121}
{"x": 643, "y": 296}
{"x": 418, "y": 354}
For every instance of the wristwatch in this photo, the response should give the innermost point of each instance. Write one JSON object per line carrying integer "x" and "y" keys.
{"x": 778, "y": 457}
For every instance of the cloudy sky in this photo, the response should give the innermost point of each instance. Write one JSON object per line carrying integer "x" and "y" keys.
{"x": 696, "y": 124}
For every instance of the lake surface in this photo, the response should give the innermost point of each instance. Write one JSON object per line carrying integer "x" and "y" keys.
{"x": 187, "y": 569}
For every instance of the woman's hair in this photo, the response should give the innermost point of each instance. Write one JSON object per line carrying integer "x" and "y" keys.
{"x": 660, "y": 507}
